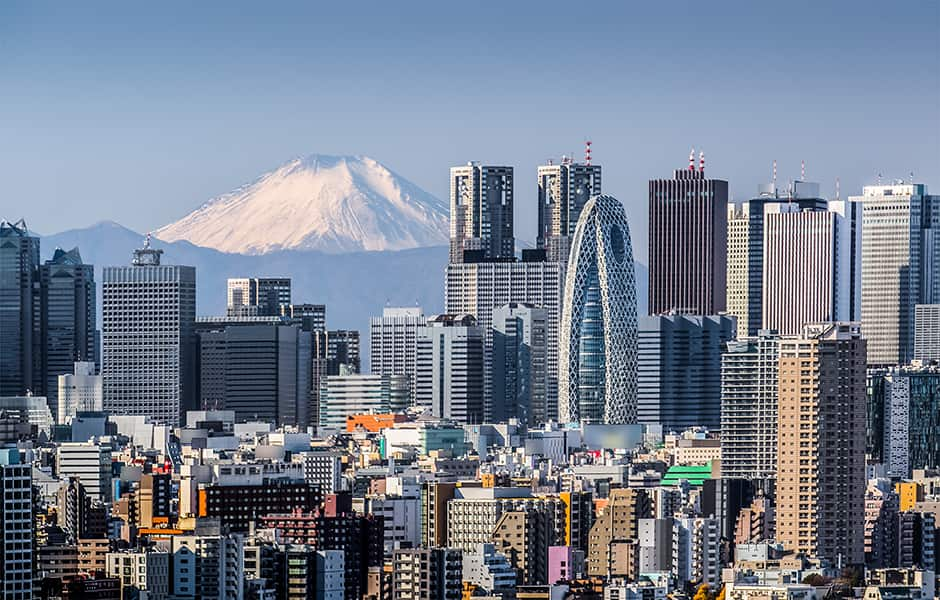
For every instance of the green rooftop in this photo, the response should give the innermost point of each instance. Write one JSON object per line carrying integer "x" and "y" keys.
{"x": 694, "y": 474}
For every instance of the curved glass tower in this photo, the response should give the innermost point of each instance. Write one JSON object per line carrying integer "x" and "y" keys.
{"x": 597, "y": 356}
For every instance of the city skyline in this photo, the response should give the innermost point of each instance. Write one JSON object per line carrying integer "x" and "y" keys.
{"x": 181, "y": 115}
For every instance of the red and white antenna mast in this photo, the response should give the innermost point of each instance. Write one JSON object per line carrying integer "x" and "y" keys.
{"x": 587, "y": 152}
{"x": 701, "y": 162}
{"x": 802, "y": 170}
{"x": 692, "y": 160}
{"x": 775, "y": 176}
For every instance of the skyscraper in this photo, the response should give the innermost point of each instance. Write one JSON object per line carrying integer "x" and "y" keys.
{"x": 147, "y": 338}
{"x": 353, "y": 394}
{"x": 597, "y": 349}
{"x": 393, "y": 342}
{"x": 258, "y": 371}
{"x": 749, "y": 408}
{"x": 79, "y": 391}
{"x": 479, "y": 288}
{"x": 900, "y": 266}
{"x": 821, "y": 442}
{"x": 257, "y": 296}
{"x": 744, "y": 295}
{"x": 68, "y": 315}
{"x": 688, "y": 242}
{"x": 564, "y": 189}
{"x": 910, "y": 417}
{"x": 810, "y": 265}
{"x": 481, "y": 208}
{"x": 20, "y": 329}
{"x": 310, "y": 317}
{"x": 450, "y": 368}
{"x": 520, "y": 379}
{"x": 679, "y": 369}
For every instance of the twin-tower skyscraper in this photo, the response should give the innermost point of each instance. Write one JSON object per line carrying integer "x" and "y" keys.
{"x": 581, "y": 273}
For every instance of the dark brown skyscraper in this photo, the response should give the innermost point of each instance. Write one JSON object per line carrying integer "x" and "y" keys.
{"x": 688, "y": 242}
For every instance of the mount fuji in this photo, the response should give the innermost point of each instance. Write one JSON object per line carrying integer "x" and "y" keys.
{"x": 331, "y": 204}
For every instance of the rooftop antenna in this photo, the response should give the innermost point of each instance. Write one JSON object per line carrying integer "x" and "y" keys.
{"x": 838, "y": 194}
{"x": 912, "y": 177}
{"x": 879, "y": 178}
{"x": 692, "y": 159}
{"x": 587, "y": 152}
{"x": 701, "y": 162}
{"x": 775, "y": 176}
{"x": 802, "y": 170}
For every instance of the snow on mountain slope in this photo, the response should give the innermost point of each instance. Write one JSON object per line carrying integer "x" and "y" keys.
{"x": 332, "y": 204}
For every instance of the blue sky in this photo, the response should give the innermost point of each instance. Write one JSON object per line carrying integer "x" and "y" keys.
{"x": 139, "y": 112}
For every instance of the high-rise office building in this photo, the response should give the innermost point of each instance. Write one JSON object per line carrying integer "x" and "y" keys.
{"x": 147, "y": 338}
{"x": 350, "y": 394}
{"x": 564, "y": 189}
{"x": 20, "y": 312}
{"x": 68, "y": 315}
{"x": 79, "y": 391}
{"x": 927, "y": 332}
{"x": 450, "y": 368}
{"x": 900, "y": 266}
{"x": 810, "y": 265}
{"x": 479, "y": 288}
{"x": 310, "y": 317}
{"x": 749, "y": 369}
{"x": 16, "y": 522}
{"x": 679, "y": 369}
{"x": 258, "y": 371}
{"x": 688, "y": 243}
{"x": 481, "y": 207}
{"x": 342, "y": 350}
{"x": 520, "y": 379}
{"x": 597, "y": 340}
{"x": 257, "y": 296}
{"x": 820, "y": 489}
{"x": 744, "y": 295}
{"x": 393, "y": 342}
{"x": 909, "y": 419}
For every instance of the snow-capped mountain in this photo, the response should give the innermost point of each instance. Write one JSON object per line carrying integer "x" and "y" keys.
{"x": 331, "y": 204}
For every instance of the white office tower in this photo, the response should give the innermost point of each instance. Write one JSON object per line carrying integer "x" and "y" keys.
{"x": 900, "y": 266}
{"x": 450, "y": 368}
{"x": 927, "y": 332}
{"x": 749, "y": 408}
{"x": 737, "y": 280}
{"x": 564, "y": 189}
{"x": 393, "y": 342}
{"x": 16, "y": 524}
{"x": 79, "y": 392}
{"x": 597, "y": 355}
{"x": 810, "y": 265}
{"x": 348, "y": 394}
{"x": 90, "y": 462}
{"x": 481, "y": 226}
{"x": 480, "y": 288}
{"x": 147, "y": 338}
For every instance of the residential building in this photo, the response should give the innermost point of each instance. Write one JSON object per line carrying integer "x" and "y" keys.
{"x": 219, "y": 565}
{"x": 481, "y": 211}
{"x": 90, "y": 463}
{"x": 329, "y": 573}
{"x": 900, "y": 266}
{"x": 237, "y": 506}
{"x": 679, "y": 369}
{"x": 612, "y": 547}
{"x": 142, "y": 572}
{"x": 821, "y": 481}
{"x": 564, "y": 189}
{"x": 450, "y": 368}
{"x": 80, "y": 391}
{"x": 488, "y": 569}
{"x": 147, "y": 338}
{"x": 696, "y": 551}
{"x": 749, "y": 369}
{"x": 520, "y": 378}
{"x": 688, "y": 242}
{"x": 393, "y": 343}
{"x": 427, "y": 573}
{"x": 597, "y": 354}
